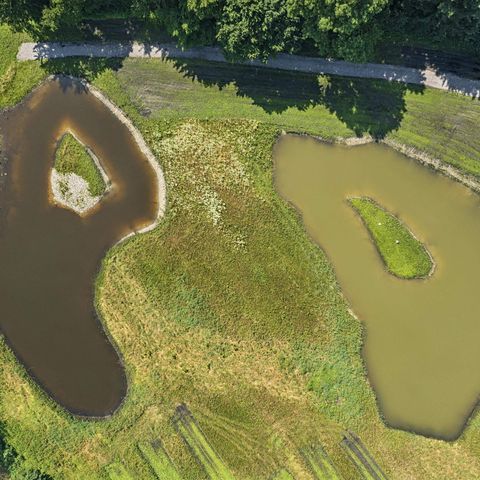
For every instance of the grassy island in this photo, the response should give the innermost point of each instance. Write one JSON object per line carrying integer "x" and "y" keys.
{"x": 72, "y": 157}
{"x": 403, "y": 254}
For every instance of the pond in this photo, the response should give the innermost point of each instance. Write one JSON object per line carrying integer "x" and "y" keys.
{"x": 50, "y": 256}
{"x": 422, "y": 337}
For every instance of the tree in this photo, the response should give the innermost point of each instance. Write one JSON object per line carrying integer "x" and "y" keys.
{"x": 257, "y": 29}
{"x": 345, "y": 28}
{"x": 191, "y": 22}
{"x": 61, "y": 13}
{"x": 41, "y": 16}
{"x": 18, "y": 13}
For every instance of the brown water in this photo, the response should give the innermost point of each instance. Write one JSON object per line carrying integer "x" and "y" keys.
{"x": 50, "y": 256}
{"x": 422, "y": 341}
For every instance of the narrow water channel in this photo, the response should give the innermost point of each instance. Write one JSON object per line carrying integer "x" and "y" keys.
{"x": 50, "y": 256}
{"x": 422, "y": 339}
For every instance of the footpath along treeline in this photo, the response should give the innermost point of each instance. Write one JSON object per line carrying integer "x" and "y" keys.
{"x": 345, "y": 29}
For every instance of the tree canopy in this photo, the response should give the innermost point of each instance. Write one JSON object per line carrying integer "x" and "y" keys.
{"x": 248, "y": 29}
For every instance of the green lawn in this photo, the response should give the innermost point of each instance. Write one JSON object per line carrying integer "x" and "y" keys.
{"x": 191, "y": 433}
{"x": 319, "y": 463}
{"x": 159, "y": 461}
{"x": 73, "y": 157}
{"x": 227, "y": 305}
{"x": 16, "y": 78}
{"x": 403, "y": 254}
{"x": 443, "y": 125}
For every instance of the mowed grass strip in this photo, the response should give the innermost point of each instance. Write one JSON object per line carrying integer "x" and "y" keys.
{"x": 199, "y": 445}
{"x": 72, "y": 157}
{"x": 116, "y": 471}
{"x": 283, "y": 475}
{"x": 361, "y": 457}
{"x": 404, "y": 255}
{"x": 158, "y": 459}
{"x": 319, "y": 463}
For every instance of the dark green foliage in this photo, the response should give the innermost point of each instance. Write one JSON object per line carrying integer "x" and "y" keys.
{"x": 276, "y": 30}
{"x": 344, "y": 28}
{"x": 41, "y": 17}
{"x": 453, "y": 22}
{"x": 349, "y": 29}
{"x": 12, "y": 463}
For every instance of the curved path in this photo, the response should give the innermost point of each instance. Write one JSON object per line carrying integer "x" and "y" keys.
{"x": 428, "y": 77}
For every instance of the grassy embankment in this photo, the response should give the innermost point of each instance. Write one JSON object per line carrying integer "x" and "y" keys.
{"x": 403, "y": 254}
{"x": 72, "y": 157}
{"x": 441, "y": 124}
{"x": 227, "y": 305}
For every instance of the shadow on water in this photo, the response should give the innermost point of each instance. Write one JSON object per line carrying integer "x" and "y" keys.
{"x": 366, "y": 106}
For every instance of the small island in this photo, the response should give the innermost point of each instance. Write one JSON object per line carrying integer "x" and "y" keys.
{"x": 403, "y": 254}
{"x": 78, "y": 181}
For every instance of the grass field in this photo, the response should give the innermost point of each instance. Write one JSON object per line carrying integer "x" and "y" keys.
{"x": 199, "y": 445}
{"x": 227, "y": 306}
{"x": 366, "y": 465}
{"x": 441, "y": 124}
{"x": 402, "y": 253}
{"x": 158, "y": 459}
{"x": 319, "y": 463}
{"x": 116, "y": 471}
{"x": 72, "y": 157}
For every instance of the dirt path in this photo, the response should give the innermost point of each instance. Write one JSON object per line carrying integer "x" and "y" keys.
{"x": 428, "y": 77}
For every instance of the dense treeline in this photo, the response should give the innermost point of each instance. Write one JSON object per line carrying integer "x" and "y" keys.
{"x": 348, "y": 29}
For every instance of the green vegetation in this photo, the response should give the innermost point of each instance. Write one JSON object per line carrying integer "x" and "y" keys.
{"x": 361, "y": 457}
{"x": 116, "y": 471}
{"x": 16, "y": 78}
{"x": 157, "y": 457}
{"x": 72, "y": 157}
{"x": 13, "y": 466}
{"x": 441, "y": 125}
{"x": 403, "y": 254}
{"x": 199, "y": 445}
{"x": 350, "y": 29}
{"x": 320, "y": 464}
{"x": 283, "y": 475}
{"x": 227, "y": 305}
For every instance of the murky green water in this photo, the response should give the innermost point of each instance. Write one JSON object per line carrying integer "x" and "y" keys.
{"x": 422, "y": 341}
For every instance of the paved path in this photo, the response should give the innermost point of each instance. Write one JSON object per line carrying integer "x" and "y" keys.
{"x": 429, "y": 77}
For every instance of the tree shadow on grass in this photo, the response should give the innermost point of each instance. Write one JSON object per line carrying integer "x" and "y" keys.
{"x": 84, "y": 68}
{"x": 366, "y": 106}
